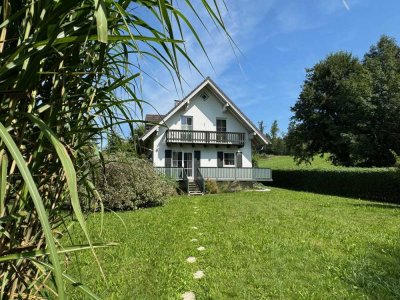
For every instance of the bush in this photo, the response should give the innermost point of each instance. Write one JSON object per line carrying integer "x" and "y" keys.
{"x": 379, "y": 185}
{"x": 211, "y": 187}
{"x": 127, "y": 184}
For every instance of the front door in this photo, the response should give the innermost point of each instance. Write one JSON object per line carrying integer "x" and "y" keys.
{"x": 188, "y": 164}
{"x": 196, "y": 163}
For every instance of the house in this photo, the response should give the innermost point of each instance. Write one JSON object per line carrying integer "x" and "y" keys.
{"x": 204, "y": 136}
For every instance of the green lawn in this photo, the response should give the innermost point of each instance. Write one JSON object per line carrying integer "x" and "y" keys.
{"x": 321, "y": 163}
{"x": 259, "y": 245}
{"x": 286, "y": 162}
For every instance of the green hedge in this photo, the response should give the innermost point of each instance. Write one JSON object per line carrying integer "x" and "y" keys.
{"x": 379, "y": 185}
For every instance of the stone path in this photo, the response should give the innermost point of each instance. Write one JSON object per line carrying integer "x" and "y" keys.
{"x": 191, "y": 259}
{"x": 189, "y": 296}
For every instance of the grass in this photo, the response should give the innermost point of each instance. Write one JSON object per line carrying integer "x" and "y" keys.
{"x": 276, "y": 245}
{"x": 319, "y": 163}
{"x": 287, "y": 163}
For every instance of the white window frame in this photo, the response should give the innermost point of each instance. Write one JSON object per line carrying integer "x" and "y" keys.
{"x": 184, "y": 124}
{"x": 234, "y": 160}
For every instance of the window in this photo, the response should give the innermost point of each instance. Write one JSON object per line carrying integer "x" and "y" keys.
{"x": 229, "y": 159}
{"x": 221, "y": 125}
{"x": 187, "y": 122}
{"x": 176, "y": 159}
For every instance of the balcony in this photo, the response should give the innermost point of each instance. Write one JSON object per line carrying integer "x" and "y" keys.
{"x": 205, "y": 137}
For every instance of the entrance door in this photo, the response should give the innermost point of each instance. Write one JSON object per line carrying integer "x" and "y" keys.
{"x": 188, "y": 163}
{"x": 196, "y": 163}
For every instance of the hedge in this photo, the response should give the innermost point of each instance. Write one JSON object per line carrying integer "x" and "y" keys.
{"x": 378, "y": 185}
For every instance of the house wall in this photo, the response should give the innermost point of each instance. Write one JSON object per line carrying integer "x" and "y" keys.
{"x": 205, "y": 114}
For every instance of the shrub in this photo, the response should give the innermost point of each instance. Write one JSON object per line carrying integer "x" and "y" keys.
{"x": 380, "y": 185}
{"x": 211, "y": 187}
{"x": 127, "y": 184}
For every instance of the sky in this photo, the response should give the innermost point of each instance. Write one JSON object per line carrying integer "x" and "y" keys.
{"x": 278, "y": 40}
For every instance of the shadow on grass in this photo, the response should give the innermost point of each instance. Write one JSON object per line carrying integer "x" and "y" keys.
{"x": 378, "y": 205}
{"x": 377, "y": 185}
{"x": 378, "y": 274}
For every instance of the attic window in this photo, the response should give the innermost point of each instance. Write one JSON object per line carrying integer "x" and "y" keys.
{"x": 204, "y": 96}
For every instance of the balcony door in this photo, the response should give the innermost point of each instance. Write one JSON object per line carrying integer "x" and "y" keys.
{"x": 221, "y": 130}
{"x": 187, "y": 126}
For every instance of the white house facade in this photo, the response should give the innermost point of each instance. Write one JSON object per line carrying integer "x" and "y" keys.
{"x": 205, "y": 136}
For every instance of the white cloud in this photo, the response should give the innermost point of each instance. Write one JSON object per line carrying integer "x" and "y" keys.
{"x": 250, "y": 23}
{"x": 345, "y": 4}
{"x": 241, "y": 21}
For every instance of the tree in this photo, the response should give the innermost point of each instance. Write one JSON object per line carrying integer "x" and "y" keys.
{"x": 261, "y": 126}
{"x": 62, "y": 63}
{"x": 383, "y": 63}
{"x": 332, "y": 114}
{"x": 350, "y": 108}
{"x": 274, "y": 130}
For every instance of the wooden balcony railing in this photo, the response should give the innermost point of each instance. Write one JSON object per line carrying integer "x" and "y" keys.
{"x": 240, "y": 174}
{"x": 229, "y": 174}
{"x": 205, "y": 137}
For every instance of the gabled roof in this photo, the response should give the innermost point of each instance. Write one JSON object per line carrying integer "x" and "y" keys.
{"x": 222, "y": 97}
{"x": 154, "y": 118}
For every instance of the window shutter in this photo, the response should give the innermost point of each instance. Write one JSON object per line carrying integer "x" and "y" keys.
{"x": 220, "y": 159}
{"x": 239, "y": 163}
{"x": 168, "y": 158}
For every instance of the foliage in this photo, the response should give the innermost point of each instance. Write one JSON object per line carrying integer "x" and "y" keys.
{"x": 261, "y": 127}
{"x": 349, "y": 109}
{"x": 62, "y": 65}
{"x": 117, "y": 144}
{"x": 383, "y": 63}
{"x": 277, "y": 144}
{"x": 139, "y": 186}
{"x": 379, "y": 185}
{"x": 211, "y": 186}
{"x": 134, "y": 139}
{"x": 280, "y": 245}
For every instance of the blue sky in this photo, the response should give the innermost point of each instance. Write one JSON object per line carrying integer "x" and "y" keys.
{"x": 278, "y": 41}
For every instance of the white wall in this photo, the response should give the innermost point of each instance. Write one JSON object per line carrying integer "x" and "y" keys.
{"x": 205, "y": 114}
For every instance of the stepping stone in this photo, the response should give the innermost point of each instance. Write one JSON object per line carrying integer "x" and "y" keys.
{"x": 201, "y": 248}
{"x": 194, "y": 227}
{"x": 198, "y": 275}
{"x": 189, "y": 296}
{"x": 194, "y": 240}
{"x": 191, "y": 259}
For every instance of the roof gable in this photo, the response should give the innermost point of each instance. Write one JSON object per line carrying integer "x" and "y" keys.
{"x": 220, "y": 95}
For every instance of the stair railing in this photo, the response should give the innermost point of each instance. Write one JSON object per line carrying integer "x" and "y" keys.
{"x": 200, "y": 180}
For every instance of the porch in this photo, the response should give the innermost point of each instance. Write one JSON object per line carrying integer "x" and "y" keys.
{"x": 214, "y": 173}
